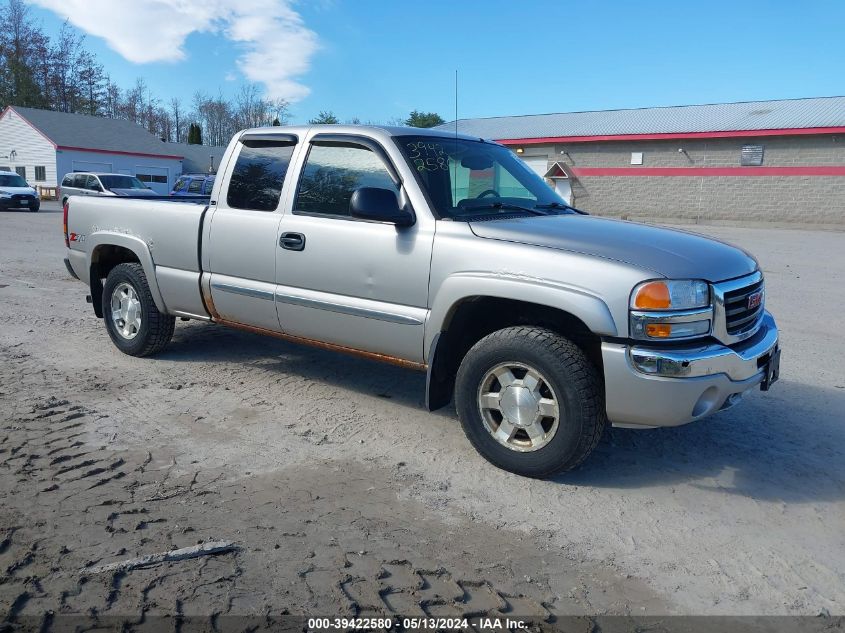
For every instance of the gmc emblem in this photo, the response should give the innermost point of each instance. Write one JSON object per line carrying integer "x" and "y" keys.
{"x": 755, "y": 299}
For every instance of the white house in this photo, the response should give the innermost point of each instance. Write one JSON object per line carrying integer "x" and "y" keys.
{"x": 43, "y": 146}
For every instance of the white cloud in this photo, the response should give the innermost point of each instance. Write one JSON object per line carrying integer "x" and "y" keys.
{"x": 275, "y": 45}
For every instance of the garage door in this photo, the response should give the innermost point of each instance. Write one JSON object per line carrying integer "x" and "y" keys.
{"x": 85, "y": 165}
{"x": 539, "y": 164}
{"x": 156, "y": 178}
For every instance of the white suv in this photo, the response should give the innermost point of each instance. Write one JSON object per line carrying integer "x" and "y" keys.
{"x": 89, "y": 184}
{"x": 15, "y": 193}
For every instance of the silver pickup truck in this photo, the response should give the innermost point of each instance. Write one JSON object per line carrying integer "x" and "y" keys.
{"x": 445, "y": 254}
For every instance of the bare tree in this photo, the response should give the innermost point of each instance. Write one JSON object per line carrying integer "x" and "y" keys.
{"x": 177, "y": 116}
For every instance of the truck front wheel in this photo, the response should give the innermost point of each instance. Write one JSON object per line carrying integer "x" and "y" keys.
{"x": 530, "y": 401}
{"x": 133, "y": 322}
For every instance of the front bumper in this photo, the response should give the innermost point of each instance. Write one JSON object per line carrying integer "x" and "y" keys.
{"x": 19, "y": 201}
{"x": 648, "y": 386}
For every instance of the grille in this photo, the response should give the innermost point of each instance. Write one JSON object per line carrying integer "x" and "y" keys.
{"x": 739, "y": 318}
{"x": 22, "y": 199}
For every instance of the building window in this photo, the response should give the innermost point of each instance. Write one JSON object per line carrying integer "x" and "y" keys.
{"x": 21, "y": 172}
{"x": 152, "y": 178}
{"x": 40, "y": 174}
{"x": 636, "y": 158}
{"x": 752, "y": 155}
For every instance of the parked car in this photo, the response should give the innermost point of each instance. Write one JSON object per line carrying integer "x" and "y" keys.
{"x": 193, "y": 185}
{"x": 90, "y": 184}
{"x": 16, "y": 193}
{"x": 445, "y": 254}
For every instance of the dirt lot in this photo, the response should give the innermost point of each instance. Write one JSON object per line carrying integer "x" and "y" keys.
{"x": 342, "y": 495}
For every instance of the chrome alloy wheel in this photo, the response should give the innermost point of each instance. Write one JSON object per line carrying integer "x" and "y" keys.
{"x": 518, "y": 406}
{"x": 126, "y": 311}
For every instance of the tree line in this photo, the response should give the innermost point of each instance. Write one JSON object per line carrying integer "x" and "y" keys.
{"x": 61, "y": 74}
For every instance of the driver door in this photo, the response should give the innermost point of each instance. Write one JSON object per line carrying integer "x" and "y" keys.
{"x": 352, "y": 283}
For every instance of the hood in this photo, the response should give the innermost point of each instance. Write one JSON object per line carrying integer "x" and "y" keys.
{"x": 133, "y": 192}
{"x": 670, "y": 253}
{"x": 15, "y": 191}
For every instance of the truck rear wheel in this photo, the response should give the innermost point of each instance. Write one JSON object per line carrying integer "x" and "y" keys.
{"x": 133, "y": 322}
{"x": 530, "y": 401}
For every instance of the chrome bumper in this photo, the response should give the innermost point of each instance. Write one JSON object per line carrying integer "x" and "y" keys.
{"x": 737, "y": 363}
{"x": 647, "y": 386}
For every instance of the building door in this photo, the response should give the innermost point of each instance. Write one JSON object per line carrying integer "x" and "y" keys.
{"x": 563, "y": 188}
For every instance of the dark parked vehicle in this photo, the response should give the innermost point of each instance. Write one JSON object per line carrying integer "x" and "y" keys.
{"x": 193, "y": 185}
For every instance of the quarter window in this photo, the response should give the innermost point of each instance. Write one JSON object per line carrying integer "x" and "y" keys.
{"x": 333, "y": 172}
{"x": 259, "y": 173}
{"x": 67, "y": 181}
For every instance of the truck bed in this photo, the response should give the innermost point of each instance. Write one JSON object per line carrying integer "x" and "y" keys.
{"x": 168, "y": 230}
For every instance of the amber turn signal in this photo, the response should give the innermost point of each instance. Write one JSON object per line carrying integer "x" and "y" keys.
{"x": 653, "y": 296}
{"x": 658, "y": 330}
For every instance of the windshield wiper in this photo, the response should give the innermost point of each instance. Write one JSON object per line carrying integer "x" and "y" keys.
{"x": 507, "y": 206}
{"x": 559, "y": 205}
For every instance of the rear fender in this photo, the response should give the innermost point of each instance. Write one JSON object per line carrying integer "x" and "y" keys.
{"x": 137, "y": 246}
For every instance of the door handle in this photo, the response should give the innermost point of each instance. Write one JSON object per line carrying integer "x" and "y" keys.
{"x": 292, "y": 241}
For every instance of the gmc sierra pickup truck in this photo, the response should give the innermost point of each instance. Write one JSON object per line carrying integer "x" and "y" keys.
{"x": 445, "y": 254}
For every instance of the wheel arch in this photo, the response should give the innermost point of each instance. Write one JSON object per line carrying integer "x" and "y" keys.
{"x": 454, "y": 328}
{"x": 107, "y": 250}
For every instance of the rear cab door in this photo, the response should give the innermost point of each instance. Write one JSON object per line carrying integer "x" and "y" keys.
{"x": 240, "y": 238}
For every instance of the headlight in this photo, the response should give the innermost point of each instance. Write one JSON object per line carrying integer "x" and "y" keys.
{"x": 5, "y": 194}
{"x": 671, "y": 295}
{"x": 671, "y": 309}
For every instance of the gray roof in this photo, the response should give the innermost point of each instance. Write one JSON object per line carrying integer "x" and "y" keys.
{"x": 718, "y": 117}
{"x": 197, "y": 158}
{"x": 95, "y": 132}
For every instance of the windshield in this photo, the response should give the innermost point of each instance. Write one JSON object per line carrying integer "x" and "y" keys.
{"x": 12, "y": 180}
{"x": 122, "y": 182}
{"x": 471, "y": 178}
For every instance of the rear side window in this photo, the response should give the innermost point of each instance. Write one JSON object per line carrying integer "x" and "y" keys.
{"x": 79, "y": 181}
{"x": 195, "y": 186}
{"x": 333, "y": 172}
{"x": 258, "y": 176}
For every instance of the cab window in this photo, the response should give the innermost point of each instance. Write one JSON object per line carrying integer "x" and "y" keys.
{"x": 332, "y": 173}
{"x": 259, "y": 173}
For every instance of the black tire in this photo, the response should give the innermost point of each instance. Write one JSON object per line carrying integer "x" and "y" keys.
{"x": 34, "y": 208}
{"x": 156, "y": 327}
{"x": 573, "y": 378}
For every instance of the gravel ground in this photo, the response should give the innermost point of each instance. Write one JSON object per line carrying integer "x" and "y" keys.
{"x": 343, "y": 496}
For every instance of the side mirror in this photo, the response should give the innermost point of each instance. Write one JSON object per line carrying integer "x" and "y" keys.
{"x": 379, "y": 205}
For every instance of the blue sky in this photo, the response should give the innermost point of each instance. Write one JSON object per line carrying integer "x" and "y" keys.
{"x": 377, "y": 60}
